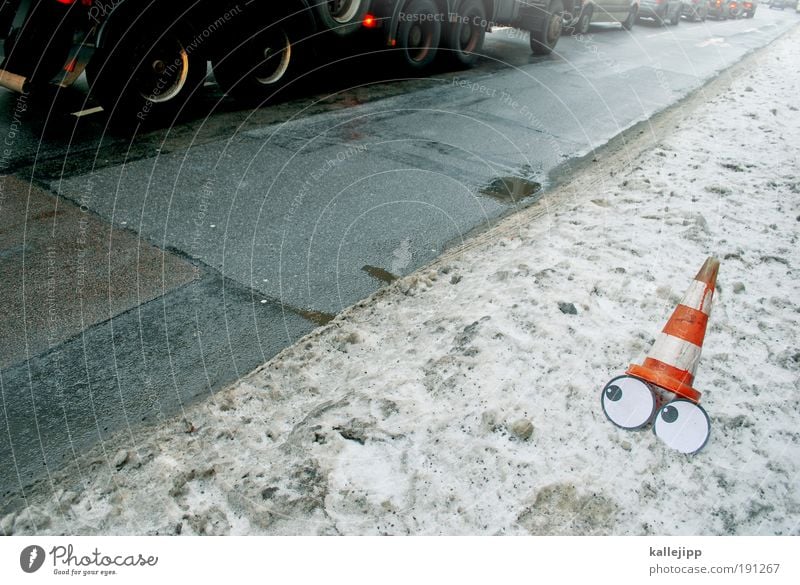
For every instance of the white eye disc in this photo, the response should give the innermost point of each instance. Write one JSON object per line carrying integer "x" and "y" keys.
{"x": 628, "y": 402}
{"x": 683, "y": 425}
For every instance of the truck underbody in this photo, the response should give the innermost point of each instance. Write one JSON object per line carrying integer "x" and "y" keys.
{"x": 148, "y": 57}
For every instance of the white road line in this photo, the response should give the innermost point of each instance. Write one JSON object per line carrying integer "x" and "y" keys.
{"x": 88, "y": 112}
{"x": 719, "y": 41}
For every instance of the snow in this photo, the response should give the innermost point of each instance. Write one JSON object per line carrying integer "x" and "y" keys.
{"x": 411, "y": 412}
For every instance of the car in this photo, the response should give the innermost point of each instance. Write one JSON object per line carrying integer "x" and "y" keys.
{"x": 695, "y": 10}
{"x": 661, "y": 11}
{"x": 749, "y": 8}
{"x": 578, "y": 15}
{"x": 722, "y": 9}
{"x": 780, "y": 4}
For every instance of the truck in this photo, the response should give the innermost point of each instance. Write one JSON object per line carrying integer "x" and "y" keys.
{"x": 145, "y": 59}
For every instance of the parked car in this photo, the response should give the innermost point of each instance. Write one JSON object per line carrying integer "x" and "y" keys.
{"x": 749, "y": 8}
{"x": 580, "y": 14}
{"x": 695, "y": 10}
{"x": 661, "y": 11}
{"x": 722, "y": 9}
{"x": 780, "y": 4}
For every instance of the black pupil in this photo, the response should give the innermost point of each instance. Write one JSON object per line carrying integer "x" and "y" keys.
{"x": 669, "y": 414}
{"x": 614, "y": 393}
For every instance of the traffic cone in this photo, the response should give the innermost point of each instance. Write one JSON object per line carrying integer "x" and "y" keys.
{"x": 672, "y": 362}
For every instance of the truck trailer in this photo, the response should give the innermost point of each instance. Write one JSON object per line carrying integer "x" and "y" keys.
{"x": 144, "y": 59}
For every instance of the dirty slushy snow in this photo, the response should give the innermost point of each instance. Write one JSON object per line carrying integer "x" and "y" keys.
{"x": 464, "y": 399}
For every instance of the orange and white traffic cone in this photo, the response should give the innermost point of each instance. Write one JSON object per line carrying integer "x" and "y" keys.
{"x": 629, "y": 401}
{"x": 672, "y": 362}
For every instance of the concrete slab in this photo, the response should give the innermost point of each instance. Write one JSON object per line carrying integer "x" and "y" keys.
{"x": 63, "y": 270}
{"x": 142, "y": 366}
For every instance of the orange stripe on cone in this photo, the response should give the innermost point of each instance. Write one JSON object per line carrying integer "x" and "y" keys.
{"x": 688, "y": 324}
{"x": 665, "y": 376}
{"x": 678, "y": 346}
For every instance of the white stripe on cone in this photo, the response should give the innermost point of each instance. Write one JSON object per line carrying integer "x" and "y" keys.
{"x": 676, "y": 352}
{"x": 697, "y": 297}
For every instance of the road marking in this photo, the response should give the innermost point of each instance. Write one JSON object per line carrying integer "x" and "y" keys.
{"x": 718, "y": 41}
{"x": 672, "y": 33}
{"x": 88, "y": 112}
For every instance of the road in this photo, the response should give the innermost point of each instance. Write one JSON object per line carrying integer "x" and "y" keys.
{"x": 139, "y": 275}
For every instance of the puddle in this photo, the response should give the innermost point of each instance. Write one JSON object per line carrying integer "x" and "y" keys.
{"x": 380, "y": 274}
{"x": 316, "y": 317}
{"x": 511, "y": 189}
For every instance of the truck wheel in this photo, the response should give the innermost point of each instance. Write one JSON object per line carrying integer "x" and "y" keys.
{"x": 343, "y": 17}
{"x": 544, "y": 40}
{"x": 147, "y": 76}
{"x": 260, "y": 66}
{"x": 628, "y": 23}
{"x": 464, "y": 38}
{"x": 584, "y": 21}
{"x": 419, "y": 33}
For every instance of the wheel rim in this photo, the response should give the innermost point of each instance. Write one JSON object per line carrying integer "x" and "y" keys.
{"x": 343, "y": 11}
{"x": 164, "y": 72}
{"x": 419, "y": 42}
{"x": 276, "y": 57}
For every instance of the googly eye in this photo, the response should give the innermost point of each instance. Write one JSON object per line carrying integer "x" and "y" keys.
{"x": 628, "y": 402}
{"x": 683, "y": 425}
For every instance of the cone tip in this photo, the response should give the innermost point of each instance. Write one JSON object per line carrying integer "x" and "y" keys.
{"x": 708, "y": 272}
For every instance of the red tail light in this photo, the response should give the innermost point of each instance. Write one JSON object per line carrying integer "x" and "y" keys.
{"x": 369, "y": 21}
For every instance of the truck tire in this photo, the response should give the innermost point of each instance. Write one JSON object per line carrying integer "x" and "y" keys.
{"x": 585, "y": 19}
{"x": 147, "y": 75}
{"x": 342, "y": 17}
{"x": 628, "y": 23}
{"x": 260, "y": 67}
{"x": 419, "y": 33}
{"x": 464, "y": 37}
{"x": 544, "y": 39}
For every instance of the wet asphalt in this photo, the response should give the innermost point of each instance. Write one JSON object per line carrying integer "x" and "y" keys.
{"x": 139, "y": 275}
